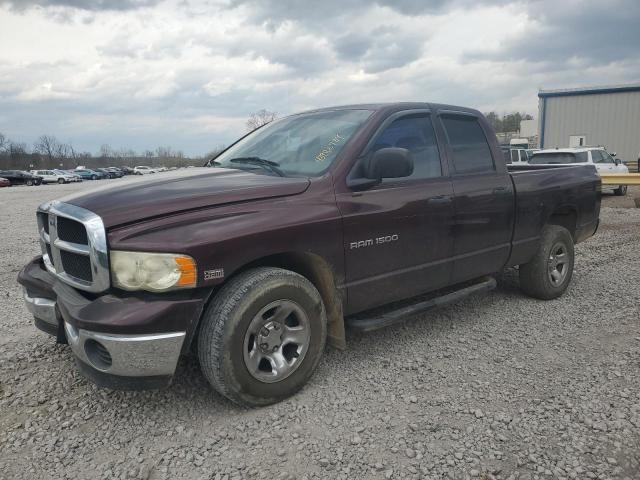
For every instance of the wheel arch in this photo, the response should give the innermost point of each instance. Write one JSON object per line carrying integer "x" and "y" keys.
{"x": 318, "y": 271}
{"x": 565, "y": 216}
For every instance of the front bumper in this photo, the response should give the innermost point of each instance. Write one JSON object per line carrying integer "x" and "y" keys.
{"x": 118, "y": 342}
{"x": 43, "y": 310}
{"x": 126, "y": 355}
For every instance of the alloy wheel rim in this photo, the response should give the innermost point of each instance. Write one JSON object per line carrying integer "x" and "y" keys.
{"x": 276, "y": 341}
{"x": 558, "y": 264}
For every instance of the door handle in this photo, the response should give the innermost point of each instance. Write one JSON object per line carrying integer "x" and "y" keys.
{"x": 500, "y": 191}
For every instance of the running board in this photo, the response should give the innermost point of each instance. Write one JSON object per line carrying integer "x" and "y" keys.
{"x": 388, "y": 317}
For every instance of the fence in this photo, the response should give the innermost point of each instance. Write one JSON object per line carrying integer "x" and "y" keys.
{"x": 620, "y": 178}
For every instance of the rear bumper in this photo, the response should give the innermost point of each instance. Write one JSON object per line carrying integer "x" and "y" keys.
{"x": 120, "y": 343}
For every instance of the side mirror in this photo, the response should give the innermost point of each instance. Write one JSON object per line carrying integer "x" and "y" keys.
{"x": 617, "y": 161}
{"x": 613, "y": 154}
{"x": 384, "y": 163}
{"x": 389, "y": 163}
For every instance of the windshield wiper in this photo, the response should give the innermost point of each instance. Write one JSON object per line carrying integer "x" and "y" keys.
{"x": 262, "y": 162}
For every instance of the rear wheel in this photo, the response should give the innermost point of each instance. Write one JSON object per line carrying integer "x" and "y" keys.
{"x": 262, "y": 336}
{"x": 94, "y": 177}
{"x": 61, "y": 181}
{"x": 621, "y": 191}
{"x": 548, "y": 274}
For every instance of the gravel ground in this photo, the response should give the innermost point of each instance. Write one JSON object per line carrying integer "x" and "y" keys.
{"x": 497, "y": 386}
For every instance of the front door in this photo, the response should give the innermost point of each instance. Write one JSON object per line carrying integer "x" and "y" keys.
{"x": 397, "y": 234}
{"x": 606, "y": 163}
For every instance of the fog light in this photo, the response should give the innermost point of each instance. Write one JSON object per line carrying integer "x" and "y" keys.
{"x": 97, "y": 354}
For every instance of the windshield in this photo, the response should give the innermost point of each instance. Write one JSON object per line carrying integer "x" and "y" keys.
{"x": 300, "y": 145}
{"x": 548, "y": 158}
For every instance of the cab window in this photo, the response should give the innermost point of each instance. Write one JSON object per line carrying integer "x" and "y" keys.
{"x": 606, "y": 158}
{"x": 414, "y": 133}
{"x": 469, "y": 146}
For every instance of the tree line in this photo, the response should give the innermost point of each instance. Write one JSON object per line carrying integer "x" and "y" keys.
{"x": 48, "y": 152}
{"x": 507, "y": 123}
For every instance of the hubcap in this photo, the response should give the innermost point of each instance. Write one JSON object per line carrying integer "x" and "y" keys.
{"x": 557, "y": 264}
{"x": 276, "y": 341}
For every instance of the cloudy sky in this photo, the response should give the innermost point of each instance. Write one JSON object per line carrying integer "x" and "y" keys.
{"x": 187, "y": 73}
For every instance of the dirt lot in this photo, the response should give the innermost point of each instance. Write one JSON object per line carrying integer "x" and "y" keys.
{"x": 497, "y": 386}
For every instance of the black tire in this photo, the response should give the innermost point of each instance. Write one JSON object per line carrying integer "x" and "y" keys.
{"x": 621, "y": 191}
{"x": 536, "y": 276}
{"x": 61, "y": 181}
{"x": 221, "y": 340}
{"x": 29, "y": 182}
{"x": 94, "y": 177}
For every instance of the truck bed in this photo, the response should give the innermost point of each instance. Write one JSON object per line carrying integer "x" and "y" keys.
{"x": 572, "y": 192}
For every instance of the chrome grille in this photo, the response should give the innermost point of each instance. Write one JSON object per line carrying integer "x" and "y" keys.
{"x": 78, "y": 266}
{"x": 43, "y": 221}
{"x": 72, "y": 231}
{"x": 74, "y": 245}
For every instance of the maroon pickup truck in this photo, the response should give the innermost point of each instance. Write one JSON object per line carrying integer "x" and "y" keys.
{"x": 352, "y": 216}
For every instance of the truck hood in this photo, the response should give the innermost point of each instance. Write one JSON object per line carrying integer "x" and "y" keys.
{"x": 172, "y": 192}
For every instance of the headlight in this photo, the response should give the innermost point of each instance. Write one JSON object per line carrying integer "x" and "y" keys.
{"x": 155, "y": 272}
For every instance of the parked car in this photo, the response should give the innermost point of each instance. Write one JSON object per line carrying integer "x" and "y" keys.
{"x": 53, "y": 176}
{"x": 518, "y": 156}
{"x": 70, "y": 173}
{"x": 282, "y": 244}
{"x": 108, "y": 173}
{"x": 87, "y": 174}
{"x": 597, "y": 156}
{"x": 143, "y": 170}
{"x": 20, "y": 177}
{"x": 4, "y": 182}
{"x": 116, "y": 171}
{"x": 126, "y": 170}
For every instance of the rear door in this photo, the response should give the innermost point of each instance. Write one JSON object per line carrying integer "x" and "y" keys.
{"x": 398, "y": 234}
{"x": 483, "y": 198}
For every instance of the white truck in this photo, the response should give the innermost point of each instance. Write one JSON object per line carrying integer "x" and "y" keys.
{"x": 598, "y": 156}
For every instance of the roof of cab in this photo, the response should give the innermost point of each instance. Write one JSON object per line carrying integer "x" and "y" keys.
{"x": 395, "y": 106}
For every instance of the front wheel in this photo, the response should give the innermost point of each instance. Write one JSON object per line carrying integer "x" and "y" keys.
{"x": 94, "y": 177}
{"x": 61, "y": 181}
{"x": 621, "y": 191}
{"x": 262, "y": 336}
{"x": 548, "y": 274}
{"x": 29, "y": 182}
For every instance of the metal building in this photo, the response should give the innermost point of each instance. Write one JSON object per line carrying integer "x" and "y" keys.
{"x": 607, "y": 116}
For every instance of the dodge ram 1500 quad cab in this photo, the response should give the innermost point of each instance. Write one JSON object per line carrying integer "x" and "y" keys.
{"x": 348, "y": 216}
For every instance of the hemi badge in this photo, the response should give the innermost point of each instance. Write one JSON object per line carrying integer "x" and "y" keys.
{"x": 214, "y": 274}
